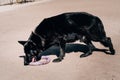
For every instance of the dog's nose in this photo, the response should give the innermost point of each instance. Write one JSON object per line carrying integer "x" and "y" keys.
{"x": 25, "y": 64}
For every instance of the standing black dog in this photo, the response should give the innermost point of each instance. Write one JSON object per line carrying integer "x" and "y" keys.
{"x": 65, "y": 28}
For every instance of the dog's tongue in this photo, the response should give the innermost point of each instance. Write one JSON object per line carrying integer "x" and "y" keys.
{"x": 33, "y": 59}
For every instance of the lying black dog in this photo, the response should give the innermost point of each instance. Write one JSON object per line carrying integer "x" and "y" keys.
{"x": 65, "y": 28}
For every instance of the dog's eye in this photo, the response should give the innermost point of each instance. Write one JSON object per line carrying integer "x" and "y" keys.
{"x": 35, "y": 51}
{"x": 28, "y": 55}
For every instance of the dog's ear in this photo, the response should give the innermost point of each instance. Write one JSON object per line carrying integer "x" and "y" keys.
{"x": 22, "y": 42}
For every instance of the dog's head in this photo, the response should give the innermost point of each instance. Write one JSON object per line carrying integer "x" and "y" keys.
{"x": 31, "y": 49}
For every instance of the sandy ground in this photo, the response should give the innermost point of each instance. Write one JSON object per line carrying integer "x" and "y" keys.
{"x": 17, "y": 25}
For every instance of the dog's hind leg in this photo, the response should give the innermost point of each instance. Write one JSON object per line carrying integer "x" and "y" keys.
{"x": 108, "y": 43}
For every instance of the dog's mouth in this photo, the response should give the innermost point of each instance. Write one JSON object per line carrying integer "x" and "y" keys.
{"x": 32, "y": 60}
{"x": 27, "y": 61}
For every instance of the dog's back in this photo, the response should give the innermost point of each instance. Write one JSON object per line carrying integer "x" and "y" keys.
{"x": 65, "y": 23}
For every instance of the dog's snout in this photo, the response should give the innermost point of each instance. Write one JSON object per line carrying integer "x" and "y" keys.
{"x": 26, "y": 64}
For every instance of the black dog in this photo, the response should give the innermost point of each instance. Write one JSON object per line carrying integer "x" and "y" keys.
{"x": 65, "y": 28}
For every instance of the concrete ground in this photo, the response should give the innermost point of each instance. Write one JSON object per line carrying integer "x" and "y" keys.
{"x": 17, "y": 24}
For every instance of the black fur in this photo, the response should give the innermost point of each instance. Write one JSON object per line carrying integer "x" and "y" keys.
{"x": 65, "y": 28}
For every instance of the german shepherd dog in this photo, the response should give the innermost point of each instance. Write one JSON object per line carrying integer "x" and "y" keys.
{"x": 65, "y": 28}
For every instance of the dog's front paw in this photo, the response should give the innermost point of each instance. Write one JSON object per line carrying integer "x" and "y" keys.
{"x": 85, "y": 55}
{"x": 57, "y": 60}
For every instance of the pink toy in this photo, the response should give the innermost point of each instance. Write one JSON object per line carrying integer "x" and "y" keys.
{"x": 44, "y": 60}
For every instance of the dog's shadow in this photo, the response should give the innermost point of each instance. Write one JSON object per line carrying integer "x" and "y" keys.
{"x": 54, "y": 50}
{"x": 70, "y": 48}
